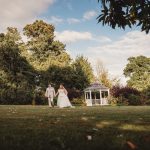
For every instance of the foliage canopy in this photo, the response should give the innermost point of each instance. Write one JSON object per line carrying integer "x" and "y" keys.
{"x": 122, "y": 13}
{"x": 138, "y": 71}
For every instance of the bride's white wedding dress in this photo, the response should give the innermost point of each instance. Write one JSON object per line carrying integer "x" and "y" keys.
{"x": 63, "y": 100}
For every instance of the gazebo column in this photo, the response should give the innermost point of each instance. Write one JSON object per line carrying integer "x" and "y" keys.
{"x": 85, "y": 95}
{"x": 108, "y": 96}
{"x": 108, "y": 92}
{"x": 95, "y": 98}
{"x": 91, "y": 97}
{"x": 100, "y": 92}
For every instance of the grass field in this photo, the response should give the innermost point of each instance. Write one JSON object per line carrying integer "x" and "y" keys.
{"x": 81, "y": 128}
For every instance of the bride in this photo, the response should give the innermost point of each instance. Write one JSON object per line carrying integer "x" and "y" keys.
{"x": 63, "y": 100}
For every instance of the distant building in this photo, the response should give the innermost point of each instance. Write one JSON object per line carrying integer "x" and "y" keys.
{"x": 96, "y": 94}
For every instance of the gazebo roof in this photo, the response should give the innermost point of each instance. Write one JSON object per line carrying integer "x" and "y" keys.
{"x": 96, "y": 86}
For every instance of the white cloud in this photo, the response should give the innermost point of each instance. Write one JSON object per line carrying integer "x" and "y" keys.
{"x": 73, "y": 20}
{"x": 56, "y": 20}
{"x": 102, "y": 39}
{"x": 69, "y": 36}
{"x": 115, "y": 54}
{"x": 20, "y": 12}
{"x": 89, "y": 15}
{"x": 86, "y": 16}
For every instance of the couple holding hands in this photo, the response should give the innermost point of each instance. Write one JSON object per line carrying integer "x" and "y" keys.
{"x": 62, "y": 101}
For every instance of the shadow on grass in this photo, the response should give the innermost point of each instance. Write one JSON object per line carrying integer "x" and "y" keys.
{"x": 75, "y": 129}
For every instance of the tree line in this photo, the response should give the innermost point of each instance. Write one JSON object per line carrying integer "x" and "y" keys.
{"x": 27, "y": 66}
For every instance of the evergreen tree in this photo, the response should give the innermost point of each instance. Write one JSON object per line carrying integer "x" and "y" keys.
{"x": 83, "y": 73}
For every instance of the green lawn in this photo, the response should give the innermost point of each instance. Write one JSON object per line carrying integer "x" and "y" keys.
{"x": 81, "y": 128}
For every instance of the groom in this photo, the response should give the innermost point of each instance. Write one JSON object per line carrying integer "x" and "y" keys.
{"x": 50, "y": 93}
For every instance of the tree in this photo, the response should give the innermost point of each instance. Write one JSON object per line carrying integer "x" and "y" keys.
{"x": 138, "y": 72}
{"x": 83, "y": 73}
{"x": 10, "y": 52}
{"x": 12, "y": 65}
{"x": 124, "y": 13}
{"x": 103, "y": 75}
{"x": 41, "y": 39}
{"x": 44, "y": 50}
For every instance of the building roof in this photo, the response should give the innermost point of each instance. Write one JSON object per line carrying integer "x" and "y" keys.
{"x": 96, "y": 86}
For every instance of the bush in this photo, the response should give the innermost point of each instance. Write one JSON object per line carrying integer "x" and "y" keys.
{"x": 20, "y": 97}
{"x": 126, "y": 95}
{"x": 147, "y": 102}
{"x": 74, "y": 94}
{"x": 112, "y": 100}
{"x": 34, "y": 96}
{"x": 146, "y": 96}
{"x": 117, "y": 101}
{"x": 78, "y": 101}
{"x": 134, "y": 99}
{"x": 117, "y": 91}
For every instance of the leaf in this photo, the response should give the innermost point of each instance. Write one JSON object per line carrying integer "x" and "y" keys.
{"x": 131, "y": 145}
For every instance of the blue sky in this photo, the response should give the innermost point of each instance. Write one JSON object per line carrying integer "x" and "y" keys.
{"x": 76, "y": 26}
{"x": 65, "y": 9}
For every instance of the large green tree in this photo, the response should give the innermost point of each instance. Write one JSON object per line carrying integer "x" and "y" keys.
{"x": 41, "y": 40}
{"x": 122, "y": 13}
{"x": 83, "y": 73}
{"x": 43, "y": 50}
{"x": 12, "y": 65}
{"x": 76, "y": 75}
{"x": 138, "y": 72}
{"x": 9, "y": 51}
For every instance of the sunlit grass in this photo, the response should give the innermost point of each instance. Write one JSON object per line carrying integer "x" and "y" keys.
{"x": 42, "y": 128}
{"x": 135, "y": 127}
{"x": 104, "y": 124}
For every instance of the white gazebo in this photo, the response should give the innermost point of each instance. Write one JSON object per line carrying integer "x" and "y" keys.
{"x": 96, "y": 94}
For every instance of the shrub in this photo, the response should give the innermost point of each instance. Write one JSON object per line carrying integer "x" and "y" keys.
{"x": 20, "y": 97}
{"x": 117, "y": 100}
{"x": 74, "y": 93}
{"x": 116, "y": 91}
{"x": 147, "y": 102}
{"x": 126, "y": 95}
{"x": 134, "y": 99}
{"x": 112, "y": 100}
{"x": 146, "y": 96}
{"x": 78, "y": 101}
